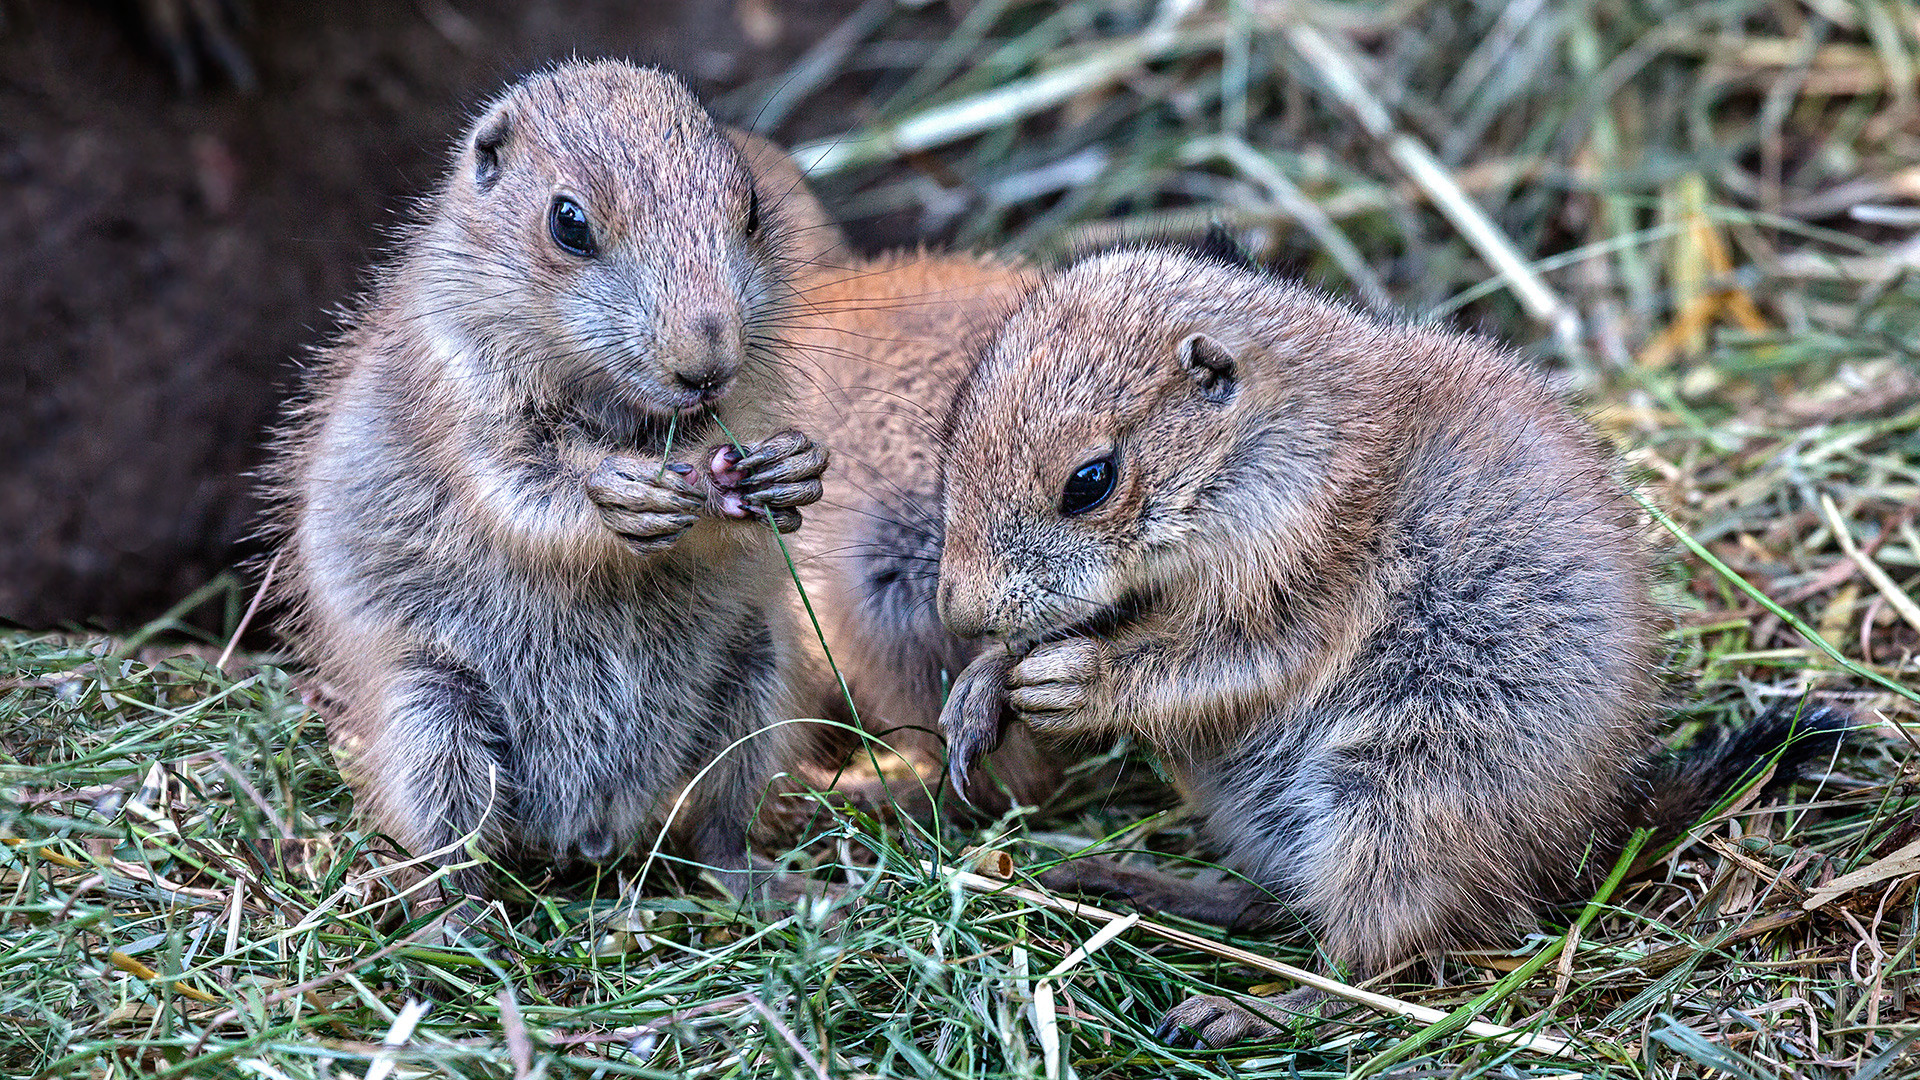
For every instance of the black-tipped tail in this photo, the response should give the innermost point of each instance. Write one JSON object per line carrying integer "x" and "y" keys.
{"x": 1785, "y": 737}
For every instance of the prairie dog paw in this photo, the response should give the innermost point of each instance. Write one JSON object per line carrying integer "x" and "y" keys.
{"x": 973, "y": 718}
{"x": 1053, "y": 682}
{"x": 779, "y": 475}
{"x": 1207, "y": 1020}
{"x": 645, "y": 503}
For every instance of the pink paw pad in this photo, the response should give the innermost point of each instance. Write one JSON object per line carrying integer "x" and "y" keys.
{"x": 724, "y": 470}
{"x": 725, "y": 467}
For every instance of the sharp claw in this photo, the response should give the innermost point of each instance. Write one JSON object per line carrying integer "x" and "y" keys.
{"x": 974, "y": 715}
{"x": 726, "y": 469}
{"x": 777, "y": 445}
{"x": 959, "y": 766}
{"x": 783, "y": 496}
{"x": 1176, "y": 1035}
{"x": 966, "y": 745}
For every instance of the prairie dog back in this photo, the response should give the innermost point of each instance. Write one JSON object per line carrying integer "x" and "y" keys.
{"x": 522, "y": 554}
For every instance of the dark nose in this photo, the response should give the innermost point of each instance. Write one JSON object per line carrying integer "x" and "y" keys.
{"x": 595, "y": 846}
{"x": 706, "y": 378}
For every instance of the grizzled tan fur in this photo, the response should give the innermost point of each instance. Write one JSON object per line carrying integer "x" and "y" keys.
{"x": 1373, "y": 592}
{"x": 882, "y": 344}
{"x": 536, "y": 621}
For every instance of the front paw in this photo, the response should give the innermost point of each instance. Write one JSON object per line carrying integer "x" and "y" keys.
{"x": 1054, "y": 683}
{"x": 647, "y": 505}
{"x": 778, "y": 476}
{"x": 974, "y": 717}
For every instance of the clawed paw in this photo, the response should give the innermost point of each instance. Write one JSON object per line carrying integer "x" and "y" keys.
{"x": 777, "y": 476}
{"x": 1055, "y": 681}
{"x": 1208, "y": 1020}
{"x": 649, "y": 504}
{"x": 974, "y": 717}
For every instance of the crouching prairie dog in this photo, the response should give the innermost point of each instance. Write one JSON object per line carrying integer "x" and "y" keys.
{"x": 522, "y": 551}
{"x": 1374, "y": 594}
{"x": 881, "y": 344}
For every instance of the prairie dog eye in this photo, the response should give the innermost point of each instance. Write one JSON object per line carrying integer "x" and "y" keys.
{"x": 753, "y": 213}
{"x": 567, "y": 223}
{"x": 1089, "y": 486}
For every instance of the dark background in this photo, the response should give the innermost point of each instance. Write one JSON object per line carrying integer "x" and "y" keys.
{"x": 167, "y": 253}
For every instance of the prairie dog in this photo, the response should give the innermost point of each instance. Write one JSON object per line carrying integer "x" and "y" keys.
{"x": 881, "y": 344}
{"x": 1372, "y": 591}
{"x": 520, "y": 551}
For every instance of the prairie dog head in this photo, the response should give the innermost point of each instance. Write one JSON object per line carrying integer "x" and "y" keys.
{"x": 600, "y": 239}
{"x": 1139, "y": 421}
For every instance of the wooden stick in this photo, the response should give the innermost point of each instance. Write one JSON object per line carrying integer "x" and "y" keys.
{"x": 1545, "y": 1044}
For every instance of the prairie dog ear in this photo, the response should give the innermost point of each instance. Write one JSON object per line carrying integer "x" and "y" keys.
{"x": 1209, "y": 364}
{"x": 491, "y": 135}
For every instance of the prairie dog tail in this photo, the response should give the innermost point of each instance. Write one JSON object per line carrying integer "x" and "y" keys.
{"x": 1786, "y": 736}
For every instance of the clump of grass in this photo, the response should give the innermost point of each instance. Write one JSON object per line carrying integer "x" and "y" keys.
{"x": 1714, "y": 194}
{"x": 185, "y": 896}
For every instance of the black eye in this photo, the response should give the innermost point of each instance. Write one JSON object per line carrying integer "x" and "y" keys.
{"x": 568, "y": 224}
{"x": 753, "y": 212}
{"x": 1088, "y": 487}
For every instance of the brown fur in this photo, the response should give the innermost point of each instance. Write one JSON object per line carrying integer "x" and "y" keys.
{"x": 536, "y": 630}
{"x": 810, "y": 240}
{"x": 879, "y": 346}
{"x": 1373, "y": 592}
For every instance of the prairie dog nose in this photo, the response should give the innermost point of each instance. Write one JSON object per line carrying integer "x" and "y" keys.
{"x": 595, "y": 846}
{"x": 961, "y": 615}
{"x": 710, "y": 356}
{"x": 705, "y": 377}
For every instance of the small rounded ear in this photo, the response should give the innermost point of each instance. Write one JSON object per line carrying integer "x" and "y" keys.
{"x": 487, "y": 142}
{"x": 1209, "y": 364}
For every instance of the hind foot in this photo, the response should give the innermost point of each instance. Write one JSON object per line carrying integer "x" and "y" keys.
{"x": 1208, "y": 1020}
{"x": 1231, "y": 903}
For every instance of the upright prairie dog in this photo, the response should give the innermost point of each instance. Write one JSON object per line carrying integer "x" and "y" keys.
{"x": 880, "y": 344}
{"x": 522, "y": 553}
{"x": 1374, "y": 594}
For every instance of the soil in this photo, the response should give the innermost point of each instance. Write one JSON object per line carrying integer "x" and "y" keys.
{"x": 166, "y": 255}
